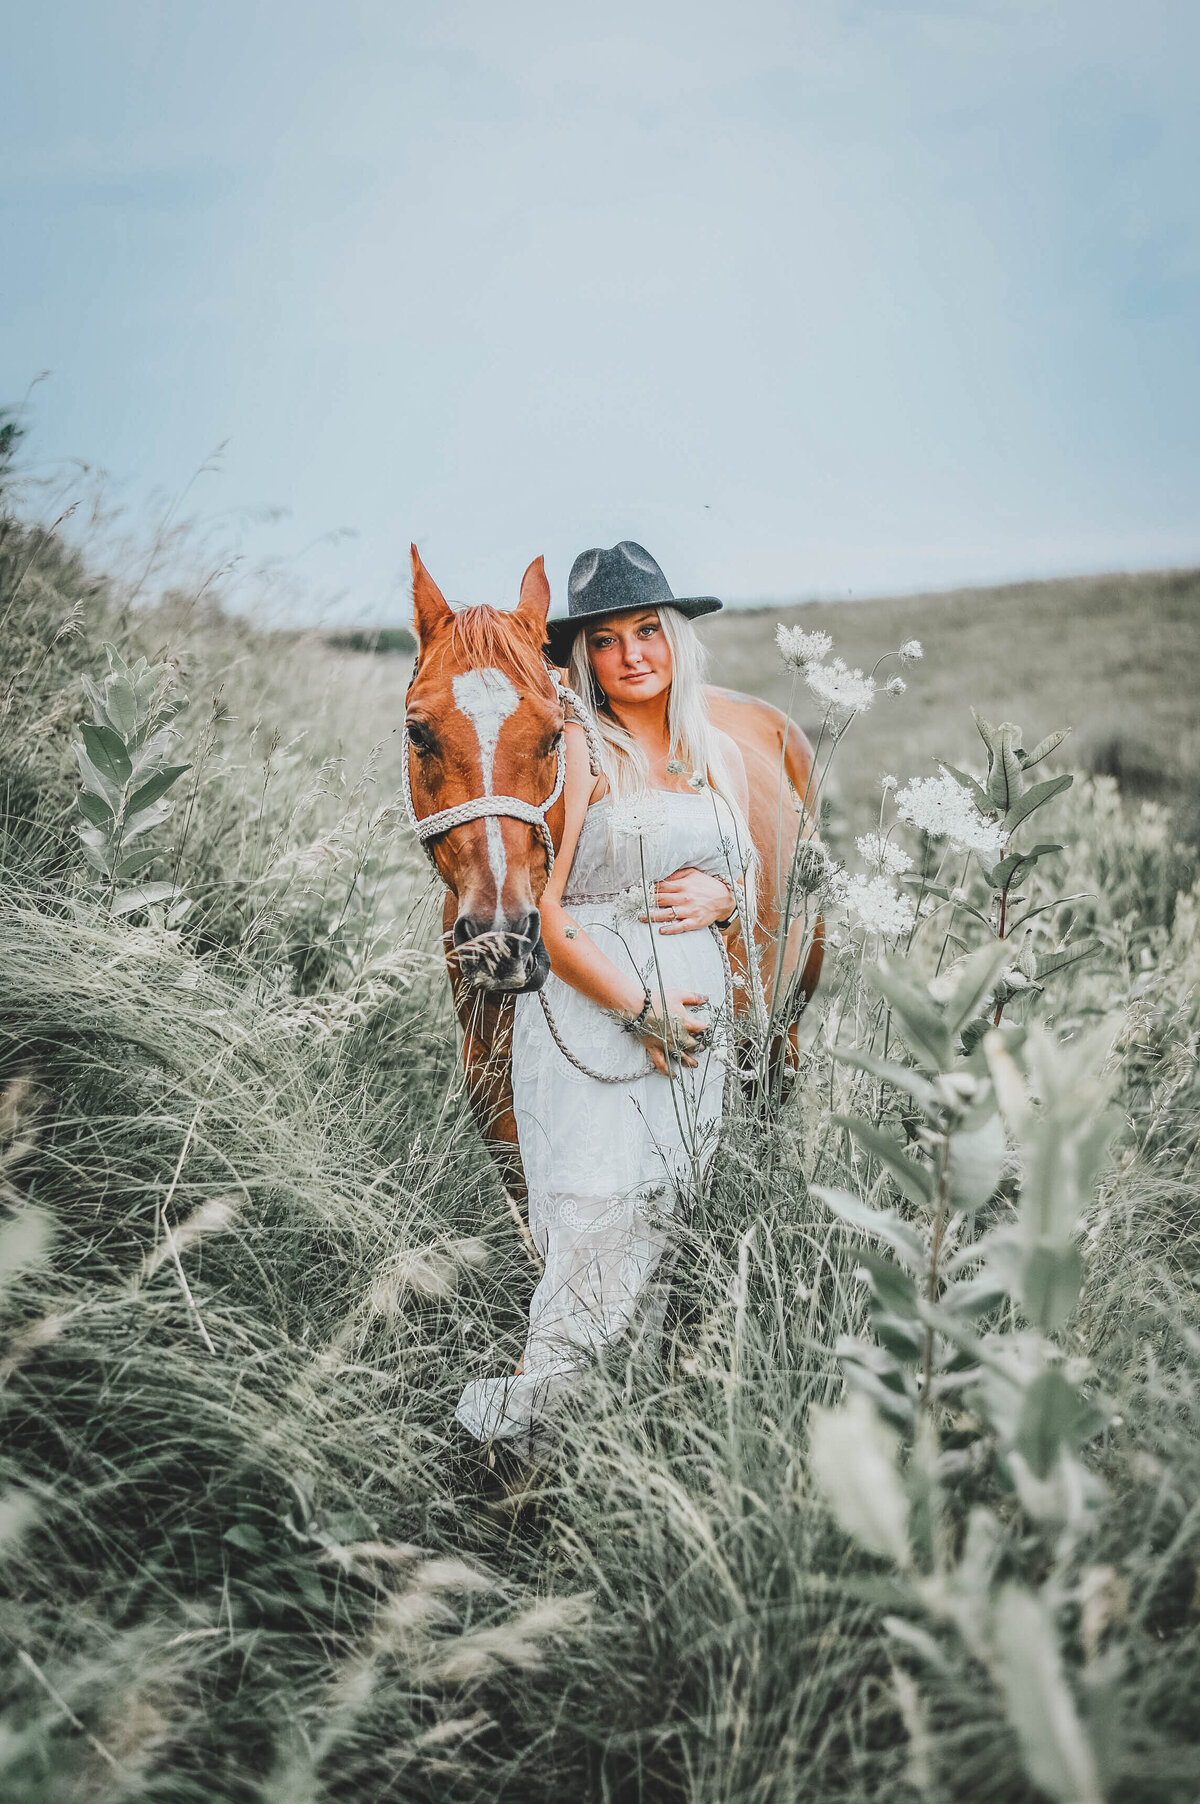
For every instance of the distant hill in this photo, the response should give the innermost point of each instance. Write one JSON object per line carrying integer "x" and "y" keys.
{"x": 1116, "y": 658}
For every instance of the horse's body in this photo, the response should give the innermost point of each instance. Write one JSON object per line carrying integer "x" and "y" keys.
{"x": 484, "y": 715}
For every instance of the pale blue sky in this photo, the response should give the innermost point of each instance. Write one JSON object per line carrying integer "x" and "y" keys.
{"x": 810, "y": 297}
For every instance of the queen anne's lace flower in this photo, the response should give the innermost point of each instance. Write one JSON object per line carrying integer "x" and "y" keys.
{"x": 884, "y": 854}
{"x": 880, "y": 908}
{"x": 942, "y": 807}
{"x": 896, "y": 685}
{"x": 845, "y": 692}
{"x": 910, "y": 651}
{"x": 638, "y": 814}
{"x": 799, "y": 648}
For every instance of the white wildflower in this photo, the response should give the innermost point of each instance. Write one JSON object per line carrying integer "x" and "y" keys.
{"x": 638, "y": 814}
{"x": 958, "y": 893}
{"x": 630, "y": 905}
{"x": 800, "y": 649}
{"x": 896, "y": 685}
{"x": 887, "y": 782}
{"x": 844, "y": 692}
{"x": 911, "y": 651}
{"x": 697, "y": 781}
{"x": 943, "y": 808}
{"x": 675, "y": 768}
{"x": 884, "y": 854}
{"x": 880, "y": 908}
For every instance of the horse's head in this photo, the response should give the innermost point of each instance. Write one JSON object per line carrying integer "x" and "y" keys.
{"x": 484, "y": 720}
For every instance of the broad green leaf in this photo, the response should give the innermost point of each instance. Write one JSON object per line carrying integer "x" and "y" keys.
{"x": 245, "y": 1536}
{"x": 894, "y": 1288}
{"x": 904, "y": 1339}
{"x": 1015, "y": 866}
{"x": 133, "y": 862}
{"x": 1034, "y": 798}
{"x": 95, "y": 809}
{"x": 854, "y": 1458}
{"x": 1051, "y": 1278}
{"x": 1044, "y": 747}
{"x": 976, "y": 1164}
{"x": 901, "y": 1077}
{"x": 916, "y": 1181}
{"x": 979, "y": 795}
{"x": 1052, "y": 1415}
{"x": 987, "y": 733}
{"x": 120, "y": 705}
{"x": 95, "y": 697}
{"x": 152, "y": 751}
{"x": 1050, "y": 962}
{"x": 100, "y": 857}
{"x": 1004, "y": 778}
{"x": 896, "y": 1401}
{"x": 975, "y": 1296}
{"x": 107, "y": 752}
{"x": 154, "y": 787}
{"x": 93, "y": 779}
{"x": 879, "y": 1223}
{"x": 1039, "y": 1704}
{"x": 916, "y": 1016}
{"x": 976, "y": 976}
{"x": 146, "y": 818}
{"x": 142, "y": 897}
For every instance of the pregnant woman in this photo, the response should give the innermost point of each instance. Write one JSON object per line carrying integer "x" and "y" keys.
{"x": 619, "y": 1065}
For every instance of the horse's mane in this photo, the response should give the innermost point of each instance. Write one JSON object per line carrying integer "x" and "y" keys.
{"x": 485, "y": 636}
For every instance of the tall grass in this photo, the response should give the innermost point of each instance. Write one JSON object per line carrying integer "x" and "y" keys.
{"x": 253, "y": 1249}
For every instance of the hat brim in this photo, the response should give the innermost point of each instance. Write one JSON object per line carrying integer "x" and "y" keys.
{"x": 560, "y": 634}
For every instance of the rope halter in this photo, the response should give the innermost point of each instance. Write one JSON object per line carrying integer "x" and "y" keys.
{"x": 429, "y": 827}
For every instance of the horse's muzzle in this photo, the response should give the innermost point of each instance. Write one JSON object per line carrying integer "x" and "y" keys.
{"x": 510, "y": 961}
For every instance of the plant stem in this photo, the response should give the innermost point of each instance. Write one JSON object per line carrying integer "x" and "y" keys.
{"x": 933, "y": 1282}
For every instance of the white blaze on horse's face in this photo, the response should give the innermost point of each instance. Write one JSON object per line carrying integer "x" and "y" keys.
{"x": 487, "y": 698}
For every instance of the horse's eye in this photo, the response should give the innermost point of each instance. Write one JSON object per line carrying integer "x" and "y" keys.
{"x": 419, "y": 736}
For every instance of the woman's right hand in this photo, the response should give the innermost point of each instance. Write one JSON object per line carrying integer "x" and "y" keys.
{"x": 679, "y": 1035}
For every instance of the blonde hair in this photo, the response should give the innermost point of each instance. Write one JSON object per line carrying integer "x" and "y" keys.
{"x": 693, "y": 740}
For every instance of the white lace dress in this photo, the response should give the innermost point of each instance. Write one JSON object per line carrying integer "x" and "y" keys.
{"x": 609, "y": 1164}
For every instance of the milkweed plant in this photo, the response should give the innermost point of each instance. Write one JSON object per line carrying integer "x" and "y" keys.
{"x": 124, "y": 757}
{"x": 959, "y": 1453}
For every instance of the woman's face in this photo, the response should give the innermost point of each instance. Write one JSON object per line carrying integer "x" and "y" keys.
{"x": 630, "y": 656}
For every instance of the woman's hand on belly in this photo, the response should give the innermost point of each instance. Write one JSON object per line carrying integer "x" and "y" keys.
{"x": 689, "y": 899}
{"x": 673, "y": 1030}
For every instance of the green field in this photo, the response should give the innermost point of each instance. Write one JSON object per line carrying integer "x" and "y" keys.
{"x": 908, "y": 1504}
{"x": 1110, "y": 656}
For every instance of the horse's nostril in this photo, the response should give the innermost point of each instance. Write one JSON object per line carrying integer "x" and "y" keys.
{"x": 529, "y": 928}
{"x": 467, "y": 928}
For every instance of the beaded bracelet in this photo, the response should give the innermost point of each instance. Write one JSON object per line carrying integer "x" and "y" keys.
{"x": 632, "y": 1023}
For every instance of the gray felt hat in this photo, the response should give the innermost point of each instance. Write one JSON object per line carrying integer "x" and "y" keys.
{"x": 618, "y": 581}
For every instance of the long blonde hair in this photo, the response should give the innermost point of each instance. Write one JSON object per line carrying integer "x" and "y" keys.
{"x": 693, "y": 741}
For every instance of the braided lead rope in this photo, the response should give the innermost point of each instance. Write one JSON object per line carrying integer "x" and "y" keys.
{"x": 571, "y": 699}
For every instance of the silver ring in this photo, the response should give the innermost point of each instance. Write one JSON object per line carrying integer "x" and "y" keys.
{"x": 674, "y": 912}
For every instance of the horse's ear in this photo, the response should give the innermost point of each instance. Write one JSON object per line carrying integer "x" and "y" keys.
{"x": 535, "y": 594}
{"x": 430, "y": 607}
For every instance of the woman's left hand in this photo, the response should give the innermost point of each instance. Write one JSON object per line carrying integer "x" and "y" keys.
{"x": 689, "y": 899}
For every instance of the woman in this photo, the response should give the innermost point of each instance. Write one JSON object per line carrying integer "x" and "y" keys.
{"x": 618, "y": 1066}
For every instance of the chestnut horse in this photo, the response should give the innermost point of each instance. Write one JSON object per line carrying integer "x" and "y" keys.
{"x": 485, "y": 721}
